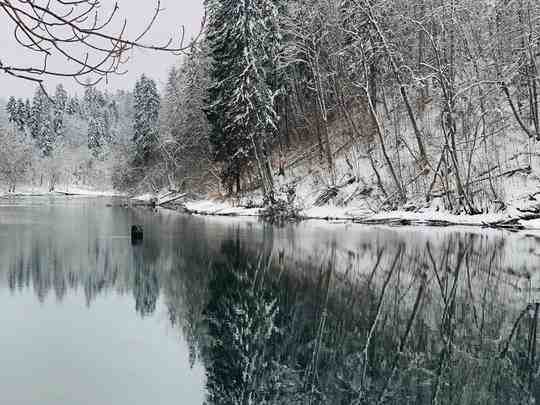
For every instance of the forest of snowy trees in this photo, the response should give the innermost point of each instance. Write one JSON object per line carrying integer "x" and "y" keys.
{"x": 404, "y": 102}
{"x": 63, "y": 138}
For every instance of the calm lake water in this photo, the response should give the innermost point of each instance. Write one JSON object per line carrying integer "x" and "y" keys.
{"x": 234, "y": 311}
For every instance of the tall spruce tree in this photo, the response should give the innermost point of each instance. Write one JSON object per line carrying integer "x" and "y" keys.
{"x": 99, "y": 111}
{"x": 41, "y": 125}
{"x": 242, "y": 38}
{"x": 22, "y": 114}
{"x": 145, "y": 127}
{"x": 11, "y": 109}
{"x": 93, "y": 102}
{"x": 28, "y": 110}
{"x": 73, "y": 106}
{"x": 96, "y": 136}
{"x": 59, "y": 109}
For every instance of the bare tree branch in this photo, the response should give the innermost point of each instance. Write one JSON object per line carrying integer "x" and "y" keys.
{"x": 78, "y": 32}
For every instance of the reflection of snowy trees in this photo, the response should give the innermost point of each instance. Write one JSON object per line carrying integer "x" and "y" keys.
{"x": 241, "y": 316}
{"x": 145, "y": 284}
{"x": 421, "y": 325}
{"x": 418, "y": 324}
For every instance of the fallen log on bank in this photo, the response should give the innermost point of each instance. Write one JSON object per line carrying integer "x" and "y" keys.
{"x": 170, "y": 198}
{"x": 504, "y": 223}
{"x": 150, "y": 200}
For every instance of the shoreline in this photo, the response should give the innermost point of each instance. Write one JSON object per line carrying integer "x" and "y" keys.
{"x": 514, "y": 221}
{"x": 510, "y": 221}
{"x": 67, "y": 192}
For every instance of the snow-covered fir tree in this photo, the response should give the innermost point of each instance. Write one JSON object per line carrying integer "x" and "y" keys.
{"x": 16, "y": 113}
{"x": 96, "y": 136}
{"x": 100, "y": 110}
{"x": 73, "y": 106}
{"x": 59, "y": 109}
{"x": 242, "y": 37}
{"x": 145, "y": 126}
{"x": 11, "y": 109}
{"x": 22, "y": 114}
{"x": 93, "y": 102}
{"x": 28, "y": 111}
{"x": 109, "y": 119}
{"x": 41, "y": 123}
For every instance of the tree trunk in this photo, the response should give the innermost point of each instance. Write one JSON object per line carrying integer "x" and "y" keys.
{"x": 402, "y": 89}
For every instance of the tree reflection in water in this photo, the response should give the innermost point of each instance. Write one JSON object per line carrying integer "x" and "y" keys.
{"x": 393, "y": 323}
{"x": 145, "y": 284}
{"x": 418, "y": 327}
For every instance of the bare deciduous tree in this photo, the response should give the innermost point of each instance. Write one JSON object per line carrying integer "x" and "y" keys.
{"x": 79, "y": 33}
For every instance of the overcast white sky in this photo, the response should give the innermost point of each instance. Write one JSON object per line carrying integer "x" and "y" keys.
{"x": 155, "y": 64}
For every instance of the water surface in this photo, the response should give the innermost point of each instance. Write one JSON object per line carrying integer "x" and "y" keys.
{"x": 234, "y": 311}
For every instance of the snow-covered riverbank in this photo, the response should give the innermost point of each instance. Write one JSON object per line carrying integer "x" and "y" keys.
{"x": 512, "y": 218}
{"x": 59, "y": 191}
{"x": 432, "y": 218}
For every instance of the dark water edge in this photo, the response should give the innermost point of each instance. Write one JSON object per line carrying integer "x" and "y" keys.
{"x": 308, "y": 313}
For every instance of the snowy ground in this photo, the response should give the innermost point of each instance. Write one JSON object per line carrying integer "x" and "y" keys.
{"x": 350, "y": 214}
{"x": 220, "y": 208}
{"x": 65, "y": 190}
{"x": 518, "y": 194}
{"x": 425, "y": 217}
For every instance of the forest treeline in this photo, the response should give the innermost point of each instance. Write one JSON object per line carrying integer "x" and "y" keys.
{"x": 408, "y": 101}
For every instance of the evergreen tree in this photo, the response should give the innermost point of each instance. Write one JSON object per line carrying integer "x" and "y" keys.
{"x": 22, "y": 114}
{"x": 59, "y": 108}
{"x": 28, "y": 110}
{"x": 73, "y": 106}
{"x": 16, "y": 111}
{"x": 243, "y": 37}
{"x": 11, "y": 109}
{"x": 39, "y": 105}
{"x": 46, "y": 138}
{"x": 97, "y": 110}
{"x": 110, "y": 118}
{"x": 96, "y": 136}
{"x": 113, "y": 112}
{"x": 146, "y": 105}
{"x": 93, "y": 101}
{"x": 41, "y": 123}
{"x": 60, "y": 98}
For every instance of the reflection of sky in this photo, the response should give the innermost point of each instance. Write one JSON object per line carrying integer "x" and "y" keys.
{"x": 68, "y": 354}
{"x": 71, "y": 330}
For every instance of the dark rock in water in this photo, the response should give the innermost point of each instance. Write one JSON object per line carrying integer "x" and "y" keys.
{"x": 136, "y": 234}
